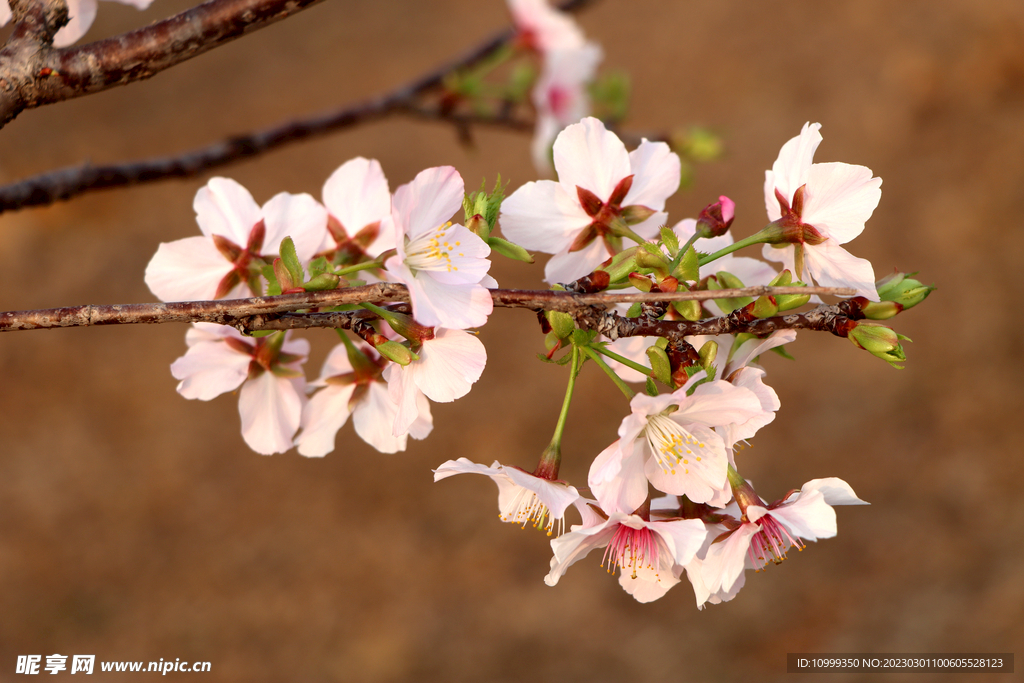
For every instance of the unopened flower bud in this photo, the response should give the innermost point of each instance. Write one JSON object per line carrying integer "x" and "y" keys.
{"x": 688, "y": 309}
{"x": 902, "y": 290}
{"x": 880, "y": 310}
{"x": 660, "y": 366}
{"x": 641, "y": 282}
{"x": 878, "y": 340}
{"x": 726, "y": 280}
{"x": 396, "y": 352}
{"x": 636, "y": 213}
{"x": 561, "y": 323}
{"x": 707, "y": 354}
{"x": 653, "y": 259}
{"x": 764, "y": 307}
{"x": 716, "y": 218}
{"x": 621, "y": 265}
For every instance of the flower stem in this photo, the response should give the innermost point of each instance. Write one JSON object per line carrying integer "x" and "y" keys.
{"x": 759, "y": 238}
{"x": 603, "y": 350}
{"x": 552, "y": 457}
{"x": 623, "y": 387}
{"x": 357, "y": 267}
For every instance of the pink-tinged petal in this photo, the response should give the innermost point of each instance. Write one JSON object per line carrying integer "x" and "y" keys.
{"x": 326, "y": 413}
{"x": 297, "y": 346}
{"x": 298, "y": 216}
{"x": 574, "y": 546}
{"x": 188, "y": 269}
{"x": 209, "y": 369}
{"x": 750, "y": 378}
{"x": 617, "y": 479}
{"x": 556, "y": 496}
{"x": 5, "y": 13}
{"x": 568, "y": 266}
{"x": 403, "y": 392}
{"x": 81, "y": 14}
{"x": 810, "y": 517}
{"x": 549, "y": 28}
{"x": 357, "y": 194}
{"x": 683, "y": 537}
{"x": 374, "y": 417}
{"x": 655, "y": 169}
{"x": 424, "y": 422}
{"x": 436, "y": 304}
{"x": 716, "y": 403}
{"x": 543, "y": 216}
{"x": 449, "y": 365}
{"x": 635, "y": 349}
{"x": 786, "y": 256}
{"x": 725, "y": 560}
{"x": 271, "y": 409}
{"x": 224, "y": 207}
{"x": 835, "y": 491}
{"x": 752, "y": 348}
{"x": 450, "y": 468}
{"x": 647, "y": 584}
{"x": 430, "y": 200}
{"x": 833, "y": 266}
{"x": 793, "y": 165}
{"x": 467, "y": 256}
{"x": 649, "y": 228}
{"x": 699, "y": 475}
{"x": 588, "y": 155}
{"x": 840, "y": 198}
{"x": 137, "y": 4}
{"x": 337, "y": 363}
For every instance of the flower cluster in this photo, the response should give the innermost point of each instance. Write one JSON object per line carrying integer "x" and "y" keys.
{"x": 663, "y": 499}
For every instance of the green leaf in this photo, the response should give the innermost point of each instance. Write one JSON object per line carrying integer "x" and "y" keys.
{"x": 669, "y": 239}
{"x": 273, "y": 286}
{"x": 317, "y": 266}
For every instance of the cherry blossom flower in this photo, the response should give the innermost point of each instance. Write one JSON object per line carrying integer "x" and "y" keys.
{"x": 236, "y": 231}
{"x": 821, "y": 206}
{"x": 360, "y": 391}
{"x": 448, "y": 366}
{"x": 544, "y": 28}
{"x": 442, "y": 264}
{"x": 644, "y": 552}
{"x": 602, "y": 193}
{"x": 769, "y": 531}
{"x": 358, "y": 200}
{"x": 669, "y": 440}
{"x": 81, "y": 14}
{"x": 560, "y": 96}
{"x": 522, "y": 497}
{"x": 268, "y": 369}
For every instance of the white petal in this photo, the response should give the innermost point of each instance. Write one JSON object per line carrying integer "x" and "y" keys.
{"x": 210, "y": 369}
{"x": 568, "y": 548}
{"x": 568, "y": 266}
{"x": 449, "y": 365}
{"x": 617, "y": 479}
{"x": 271, "y": 409}
{"x": 588, "y": 155}
{"x": 357, "y": 194}
{"x": 81, "y": 15}
{"x": 430, "y": 200}
{"x": 835, "y": 490}
{"x": 543, "y": 216}
{"x": 809, "y": 517}
{"x": 655, "y": 169}
{"x": 700, "y": 475}
{"x": 435, "y": 304}
{"x": 224, "y": 207}
{"x": 725, "y": 560}
{"x": 833, "y": 266}
{"x": 374, "y": 419}
{"x": 840, "y": 199}
{"x": 646, "y": 584}
{"x": 683, "y": 537}
{"x": 450, "y": 468}
{"x": 298, "y": 216}
{"x": 555, "y": 496}
{"x": 752, "y": 348}
{"x": 793, "y": 165}
{"x": 188, "y": 269}
{"x": 326, "y": 413}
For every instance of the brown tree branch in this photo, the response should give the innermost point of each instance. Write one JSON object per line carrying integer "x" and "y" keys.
{"x": 266, "y": 312}
{"x": 34, "y": 73}
{"x": 64, "y": 183}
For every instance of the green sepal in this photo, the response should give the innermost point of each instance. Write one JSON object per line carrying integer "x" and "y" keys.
{"x": 669, "y": 239}
{"x": 273, "y": 286}
{"x": 290, "y": 259}
{"x": 689, "y": 309}
{"x": 726, "y": 280}
{"x": 634, "y": 310}
{"x": 652, "y": 390}
{"x": 562, "y": 324}
{"x": 322, "y": 281}
{"x": 660, "y": 366}
{"x": 765, "y": 307}
{"x": 566, "y": 357}
{"x": 687, "y": 268}
{"x": 509, "y": 249}
{"x": 707, "y": 354}
{"x": 583, "y": 337}
{"x": 781, "y": 350}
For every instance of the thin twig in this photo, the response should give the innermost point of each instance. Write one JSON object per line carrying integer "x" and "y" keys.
{"x": 64, "y": 183}
{"x": 229, "y": 312}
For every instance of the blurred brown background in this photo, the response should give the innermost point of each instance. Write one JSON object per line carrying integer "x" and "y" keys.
{"x": 136, "y": 525}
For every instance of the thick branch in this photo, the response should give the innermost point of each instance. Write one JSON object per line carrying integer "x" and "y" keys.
{"x": 65, "y": 183}
{"x": 588, "y": 308}
{"x": 33, "y": 73}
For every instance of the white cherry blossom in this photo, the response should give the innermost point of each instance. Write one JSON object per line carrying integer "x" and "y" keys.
{"x": 358, "y": 199}
{"x": 220, "y": 359}
{"x": 601, "y": 190}
{"x": 362, "y": 393}
{"x": 523, "y": 498}
{"x": 236, "y": 230}
{"x": 544, "y": 28}
{"x": 834, "y": 200}
{"x": 560, "y": 96}
{"x": 441, "y": 263}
